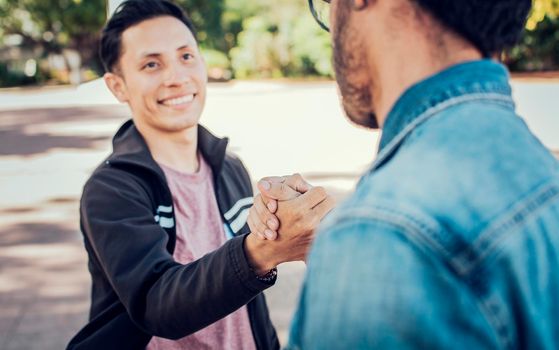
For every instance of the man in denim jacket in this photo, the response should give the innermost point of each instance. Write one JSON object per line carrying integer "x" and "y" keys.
{"x": 451, "y": 239}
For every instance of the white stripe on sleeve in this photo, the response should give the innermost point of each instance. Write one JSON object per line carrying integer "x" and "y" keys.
{"x": 240, "y": 203}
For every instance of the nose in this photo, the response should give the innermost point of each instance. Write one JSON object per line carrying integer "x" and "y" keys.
{"x": 176, "y": 75}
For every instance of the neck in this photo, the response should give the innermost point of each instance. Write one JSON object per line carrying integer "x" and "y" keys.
{"x": 176, "y": 150}
{"x": 403, "y": 63}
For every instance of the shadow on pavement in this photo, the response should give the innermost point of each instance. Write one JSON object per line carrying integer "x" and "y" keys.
{"x": 35, "y": 233}
{"x": 44, "y": 284}
{"x": 16, "y": 142}
{"x": 16, "y": 138}
{"x": 22, "y": 117}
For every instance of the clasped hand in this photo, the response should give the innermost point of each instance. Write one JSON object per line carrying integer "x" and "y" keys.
{"x": 288, "y": 210}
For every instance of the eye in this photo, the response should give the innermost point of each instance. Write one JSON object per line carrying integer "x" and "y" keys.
{"x": 150, "y": 65}
{"x": 187, "y": 56}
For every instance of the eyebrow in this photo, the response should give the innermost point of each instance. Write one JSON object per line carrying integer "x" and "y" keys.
{"x": 156, "y": 54}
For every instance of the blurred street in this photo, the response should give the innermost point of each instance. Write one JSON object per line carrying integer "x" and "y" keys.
{"x": 52, "y": 139}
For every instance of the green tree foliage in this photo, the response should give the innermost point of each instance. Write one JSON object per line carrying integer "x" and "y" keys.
{"x": 46, "y": 27}
{"x": 281, "y": 40}
{"x": 240, "y": 38}
{"x": 538, "y": 49}
{"x": 55, "y": 24}
{"x": 542, "y": 9}
{"x": 260, "y": 38}
{"x": 206, "y": 16}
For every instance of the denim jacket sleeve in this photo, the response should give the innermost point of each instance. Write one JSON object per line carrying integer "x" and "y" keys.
{"x": 407, "y": 299}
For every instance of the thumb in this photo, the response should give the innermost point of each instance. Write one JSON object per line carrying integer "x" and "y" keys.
{"x": 277, "y": 190}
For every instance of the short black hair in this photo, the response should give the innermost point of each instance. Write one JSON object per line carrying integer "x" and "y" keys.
{"x": 490, "y": 25}
{"x": 128, "y": 14}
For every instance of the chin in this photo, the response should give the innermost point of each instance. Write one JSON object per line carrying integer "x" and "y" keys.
{"x": 174, "y": 124}
{"x": 183, "y": 125}
{"x": 362, "y": 118}
{"x": 183, "y": 119}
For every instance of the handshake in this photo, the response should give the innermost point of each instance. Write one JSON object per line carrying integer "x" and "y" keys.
{"x": 283, "y": 220}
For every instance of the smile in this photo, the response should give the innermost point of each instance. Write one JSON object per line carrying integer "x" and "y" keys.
{"x": 177, "y": 101}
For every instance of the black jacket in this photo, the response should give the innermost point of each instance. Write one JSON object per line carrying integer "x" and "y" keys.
{"x": 138, "y": 290}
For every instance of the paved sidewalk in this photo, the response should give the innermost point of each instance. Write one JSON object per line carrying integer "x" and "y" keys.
{"x": 51, "y": 141}
{"x": 44, "y": 285}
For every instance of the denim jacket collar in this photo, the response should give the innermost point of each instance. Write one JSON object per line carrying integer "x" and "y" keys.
{"x": 463, "y": 82}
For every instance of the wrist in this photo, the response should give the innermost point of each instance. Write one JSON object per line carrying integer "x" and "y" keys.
{"x": 259, "y": 255}
{"x": 269, "y": 277}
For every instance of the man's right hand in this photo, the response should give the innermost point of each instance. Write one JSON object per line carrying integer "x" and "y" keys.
{"x": 300, "y": 206}
{"x": 298, "y": 214}
{"x": 262, "y": 218}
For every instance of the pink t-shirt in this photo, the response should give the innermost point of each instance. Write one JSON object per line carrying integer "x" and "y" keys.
{"x": 199, "y": 231}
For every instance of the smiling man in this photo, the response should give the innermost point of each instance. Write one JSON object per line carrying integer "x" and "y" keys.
{"x": 164, "y": 218}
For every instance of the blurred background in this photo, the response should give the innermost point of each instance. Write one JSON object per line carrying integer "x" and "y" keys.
{"x": 271, "y": 92}
{"x": 50, "y": 42}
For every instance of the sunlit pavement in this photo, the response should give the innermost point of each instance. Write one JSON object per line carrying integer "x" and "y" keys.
{"x": 51, "y": 140}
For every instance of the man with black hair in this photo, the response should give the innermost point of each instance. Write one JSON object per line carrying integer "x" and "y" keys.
{"x": 172, "y": 259}
{"x": 451, "y": 239}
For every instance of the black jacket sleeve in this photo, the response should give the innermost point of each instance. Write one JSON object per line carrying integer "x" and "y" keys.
{"x": 162, "y": 297}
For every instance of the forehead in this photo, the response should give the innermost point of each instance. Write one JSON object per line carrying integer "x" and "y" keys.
{"x": 158, "y": 35}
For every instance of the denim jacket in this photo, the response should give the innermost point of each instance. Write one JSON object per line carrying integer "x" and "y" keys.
{"x": 451, "y": 239}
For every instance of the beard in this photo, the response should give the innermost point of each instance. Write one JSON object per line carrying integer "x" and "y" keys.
{"x": 351, "y": 67}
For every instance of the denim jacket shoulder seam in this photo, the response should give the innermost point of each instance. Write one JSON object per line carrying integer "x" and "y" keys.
{"x": 418, "y": 231}
{"x": 414, "y": 230}
{"x": 488, "y": 240}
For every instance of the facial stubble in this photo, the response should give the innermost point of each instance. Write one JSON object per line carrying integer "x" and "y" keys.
{"x": 351, "y": 67}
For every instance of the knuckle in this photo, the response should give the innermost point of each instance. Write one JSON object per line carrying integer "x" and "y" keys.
{"x": 271, "y": 218}
{"x": 321, "y": 191}
{"x": 251, "y": 226}
{"x": 251, "y": 213}
{"x": 262, "y": 211}
{"x": 289, "y": 210}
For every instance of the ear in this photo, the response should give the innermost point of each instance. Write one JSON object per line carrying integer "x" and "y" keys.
{"x": 359, "y": 5}
{"x": 116, "y": 84}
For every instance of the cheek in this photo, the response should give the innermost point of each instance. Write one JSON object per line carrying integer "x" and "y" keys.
{"x": 146, "y": 89}
{"x": 142, "y": 97}
{"x": 202, "y": 81}
{"x": 202, "y": 75}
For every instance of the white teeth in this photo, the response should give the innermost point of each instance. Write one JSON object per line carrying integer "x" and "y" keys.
{"x": 178, "y": 101}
